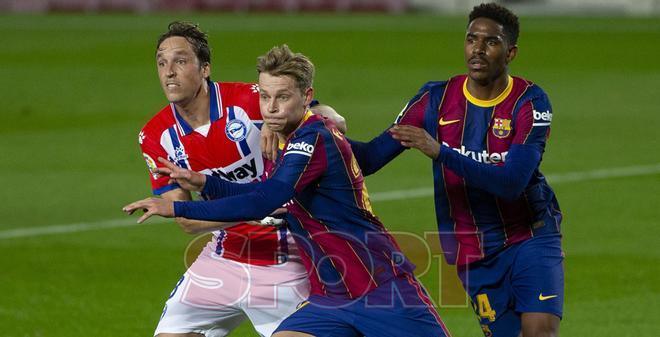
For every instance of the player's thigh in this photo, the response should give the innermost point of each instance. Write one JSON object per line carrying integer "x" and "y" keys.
{"x": 488, "y": 285}
{"x": 268, "y": 303}
{"x": 185, "y": 314}
{"x": 402, "y": 301}
{"x": 320, "y": 319}
{"x": 537, "y": 279}
{"x": 192, "y": 334}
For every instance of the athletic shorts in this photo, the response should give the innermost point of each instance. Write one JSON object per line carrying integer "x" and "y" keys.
{"x": 397, "y": 308}
{"x": 215, "y": 295}
{"x": 525, "y": 277}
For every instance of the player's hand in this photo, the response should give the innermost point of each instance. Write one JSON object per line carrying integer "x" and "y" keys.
{"x": 186, "y": 179}
{"x": 331, "y": 114}
{"x": 151, "y": 206}
{"x": 269, "y": 143}
{"x": 418, "y": 138}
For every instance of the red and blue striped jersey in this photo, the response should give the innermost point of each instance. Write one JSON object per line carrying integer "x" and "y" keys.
{"x": 345, "y": 248}
{"x": 228, "y": 147}
{"x": 473, "y": 222}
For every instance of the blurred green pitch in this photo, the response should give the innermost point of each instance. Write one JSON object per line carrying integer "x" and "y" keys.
{"x": 77, "y": 89}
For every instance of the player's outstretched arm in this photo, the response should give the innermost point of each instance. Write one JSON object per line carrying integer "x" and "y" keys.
{"x": 507, "y": 181}
{"x": 193, "y": 226}
{"x": 186, "y": 179}
{"x": 373, "y": 155}
{"x": 265, "y": 198}
{"x": 331, "y": 114}
{"x": 151, "y": 206}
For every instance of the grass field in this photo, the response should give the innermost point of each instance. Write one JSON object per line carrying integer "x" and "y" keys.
{"x": 76, "y": 90}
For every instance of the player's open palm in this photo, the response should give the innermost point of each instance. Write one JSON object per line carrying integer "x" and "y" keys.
{"x": 151, "y": 206}
{"x": 186, "y": 179}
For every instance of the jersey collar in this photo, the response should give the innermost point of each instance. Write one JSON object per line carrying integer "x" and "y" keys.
{"x": 215, "y": 111}
{"x": 491, "y": 102}
{"x": 308, "y": 115}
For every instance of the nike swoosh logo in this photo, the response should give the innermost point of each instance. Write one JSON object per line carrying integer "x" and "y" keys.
{"x": 543, "y": 298}
{"x": 443, "y": 122}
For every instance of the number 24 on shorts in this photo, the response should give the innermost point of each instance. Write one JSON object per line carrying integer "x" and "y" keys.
{"x": 484, "y": 309}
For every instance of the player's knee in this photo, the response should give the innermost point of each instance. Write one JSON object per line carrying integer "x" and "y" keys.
{"x": 540, "y": 325}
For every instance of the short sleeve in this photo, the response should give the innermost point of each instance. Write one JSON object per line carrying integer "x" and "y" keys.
{"x": 151, "y": 150}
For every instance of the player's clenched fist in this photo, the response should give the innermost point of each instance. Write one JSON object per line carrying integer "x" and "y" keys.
{"x": 151, "y": 206}
{"x": 186, "y": 179}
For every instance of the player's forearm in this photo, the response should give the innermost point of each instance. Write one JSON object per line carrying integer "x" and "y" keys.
{"x": 508, "y": 181}
{"x": 262, "y": 201}
{"x": 216, "y": 188}
{"x": 375, "y": 154}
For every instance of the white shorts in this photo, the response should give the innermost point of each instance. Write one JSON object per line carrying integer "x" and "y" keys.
{"x": 216, "y": 294}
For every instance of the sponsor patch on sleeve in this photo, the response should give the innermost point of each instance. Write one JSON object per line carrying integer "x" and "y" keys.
{"x": 542, "y": 118}
{"x": 151, "y": 164}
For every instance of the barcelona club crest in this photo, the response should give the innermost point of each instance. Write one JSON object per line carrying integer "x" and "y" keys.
{"x": 501, "y": 127}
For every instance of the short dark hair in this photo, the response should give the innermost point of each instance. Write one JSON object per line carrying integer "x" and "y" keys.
{"x": 280, "y": 61}
{"x": 191, "y": 32}
{"x": 501, "y": 15}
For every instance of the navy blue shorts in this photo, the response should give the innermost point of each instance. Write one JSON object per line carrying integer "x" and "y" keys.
{"x": 525, "y": 277}
{"x": 398, "y": 308}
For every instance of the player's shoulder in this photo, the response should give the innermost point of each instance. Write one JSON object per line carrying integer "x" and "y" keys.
{"x": 159, "y": 122}
{"x": 315, "y": 128}
{"x": 433, "y": 87}
{"x": 531, "y": 91}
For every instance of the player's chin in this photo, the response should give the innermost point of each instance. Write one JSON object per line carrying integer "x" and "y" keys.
{"x": 275, "y": 127}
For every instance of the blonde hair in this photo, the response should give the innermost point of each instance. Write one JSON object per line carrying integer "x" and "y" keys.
{"x": 280, "y": 61}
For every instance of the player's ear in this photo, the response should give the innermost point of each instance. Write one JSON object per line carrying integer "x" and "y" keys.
{"x": 206, "y": 70}
{"x": 309, "y": 96}
{"x": 511, "y": 53}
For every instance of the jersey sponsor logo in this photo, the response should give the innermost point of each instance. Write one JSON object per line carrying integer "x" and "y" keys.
{"x": 247, "y": 170}
{"x": 236, "y": 130}
{"x": 443, "y": 122}
{"x": 151, "y": 164}
{"x": 501, "y": 127}
{"x": 544, "y": 298}
{"x": 483, "y": 156}
{"x": 542, "y": 118}
{"x": 300, "y": 148}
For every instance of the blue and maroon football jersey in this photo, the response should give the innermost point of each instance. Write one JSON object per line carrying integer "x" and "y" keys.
{"x": 228, "y": 148}
{"x": 472, "y": 221}
{"x": 345, "y": 248}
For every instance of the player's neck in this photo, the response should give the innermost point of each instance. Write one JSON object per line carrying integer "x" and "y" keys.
{"x": 487, "y": 90}
{"x": 196, "y": 111}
